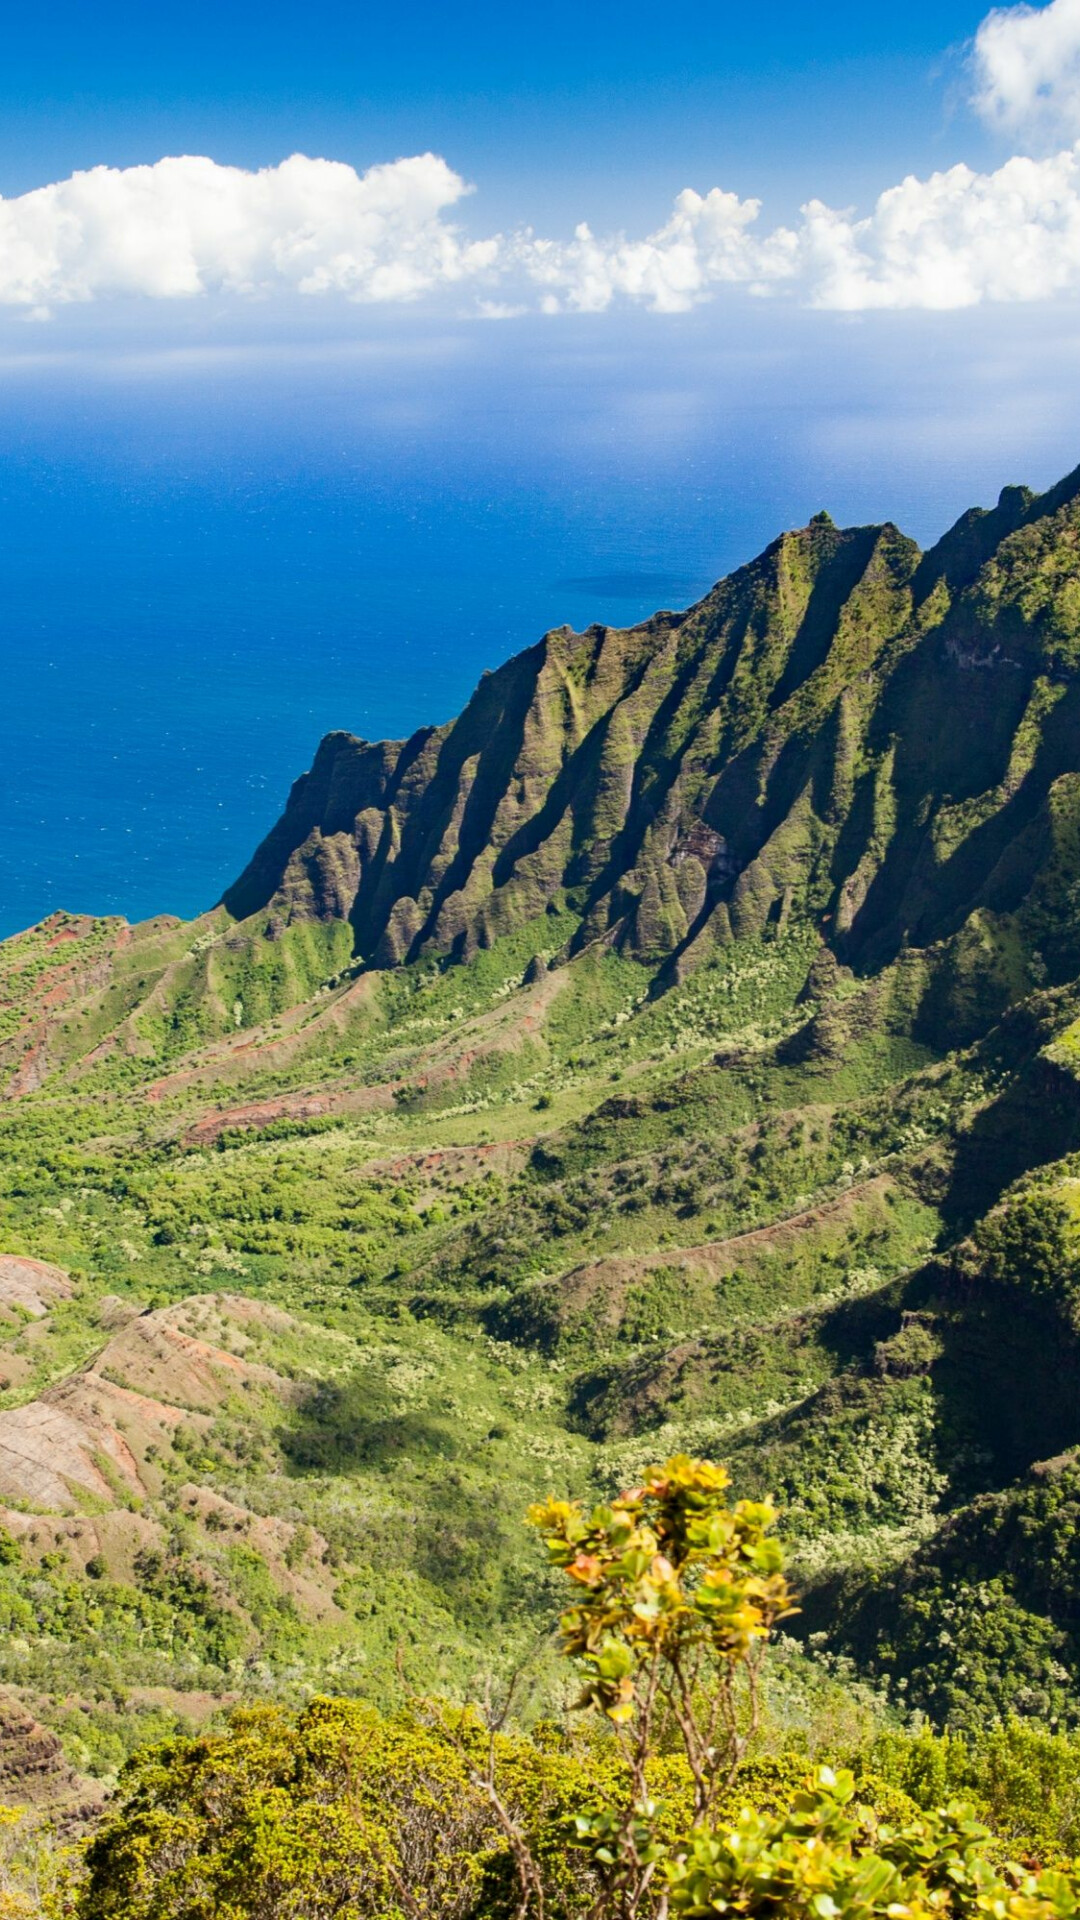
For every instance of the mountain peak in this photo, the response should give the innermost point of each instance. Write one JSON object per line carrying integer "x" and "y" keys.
{"x": 677, "y": 782}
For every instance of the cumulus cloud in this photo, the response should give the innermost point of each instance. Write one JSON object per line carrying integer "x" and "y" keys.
{"x": 707, "y": 243}
{"x": 952, "y": 240}
{"x": 1026, "y": 63}
{"x": 188, "y": 227}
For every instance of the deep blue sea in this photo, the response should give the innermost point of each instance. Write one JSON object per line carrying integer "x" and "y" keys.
{"x": 213, "y": 552}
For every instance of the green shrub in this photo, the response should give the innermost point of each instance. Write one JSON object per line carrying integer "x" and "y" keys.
{"x": 439, "y": 1813}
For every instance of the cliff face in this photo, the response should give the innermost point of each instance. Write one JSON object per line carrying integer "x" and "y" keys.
{"x": 885, "y": 739}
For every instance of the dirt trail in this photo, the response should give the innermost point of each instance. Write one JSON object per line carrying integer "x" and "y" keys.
{"x": 609, "y": 1278}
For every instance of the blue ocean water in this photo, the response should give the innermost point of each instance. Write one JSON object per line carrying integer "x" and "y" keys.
{"x": 212, "y": 554}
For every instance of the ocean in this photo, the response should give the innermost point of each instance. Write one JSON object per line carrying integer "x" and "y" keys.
{"x": 213, "y": 552}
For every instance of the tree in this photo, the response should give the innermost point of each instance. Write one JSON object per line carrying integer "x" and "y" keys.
{"x": 675, "y": 1596}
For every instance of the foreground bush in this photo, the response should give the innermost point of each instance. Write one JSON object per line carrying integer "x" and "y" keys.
{"x": 440, "y": 1814}
{"x": 37, "y": 1869}
{"x": 1023, "y": 1779}
{"x": 334, "y": 1812}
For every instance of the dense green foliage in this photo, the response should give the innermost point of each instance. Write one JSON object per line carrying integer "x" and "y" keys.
{"x": 440, "y": 1813}
{"x": 332, "y": 1810}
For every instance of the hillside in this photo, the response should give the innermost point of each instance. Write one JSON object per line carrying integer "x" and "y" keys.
{"x": 679, "y": 1049}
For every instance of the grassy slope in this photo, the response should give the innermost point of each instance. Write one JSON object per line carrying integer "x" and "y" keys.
{"x": 572, "y": 1226}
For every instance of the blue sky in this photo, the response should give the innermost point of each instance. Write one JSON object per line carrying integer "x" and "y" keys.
{"x": 553, "y": 158}
{"x": 554, "y": 109}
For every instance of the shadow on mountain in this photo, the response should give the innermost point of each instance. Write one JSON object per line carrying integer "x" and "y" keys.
{"x": 1034, "y": 1120}
{"x": 338, "y": 1427}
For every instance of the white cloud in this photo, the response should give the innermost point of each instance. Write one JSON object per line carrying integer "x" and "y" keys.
{"x": 952, "y": 240}
{"x": 705, "y": 244}
{"x": 1026, "y": 63}
{"x": 187, "y": 226}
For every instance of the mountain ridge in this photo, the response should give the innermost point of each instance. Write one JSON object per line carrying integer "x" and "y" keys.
{"x": 676, "y": 783}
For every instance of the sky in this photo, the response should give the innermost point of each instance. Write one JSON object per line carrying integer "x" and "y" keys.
{"x": 551, "y": 157}
{"x": 554, "y": 110}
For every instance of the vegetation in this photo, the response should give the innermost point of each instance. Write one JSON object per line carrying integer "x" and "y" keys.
{"x": 678, "y": 1054}
{"x": 441, "y": 1811}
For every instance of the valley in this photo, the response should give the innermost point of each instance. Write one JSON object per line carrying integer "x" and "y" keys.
{"x": 678, "y": 1052}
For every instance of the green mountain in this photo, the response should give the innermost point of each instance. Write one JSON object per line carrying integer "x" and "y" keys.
{"x": 876, "y": 738}
{"x": 679, "y": 1049}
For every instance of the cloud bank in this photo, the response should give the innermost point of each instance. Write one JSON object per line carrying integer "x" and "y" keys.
{"x": 953, "y": 240}
{"x": 1026, "y": 64}
{"x": 187, "y": 228}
